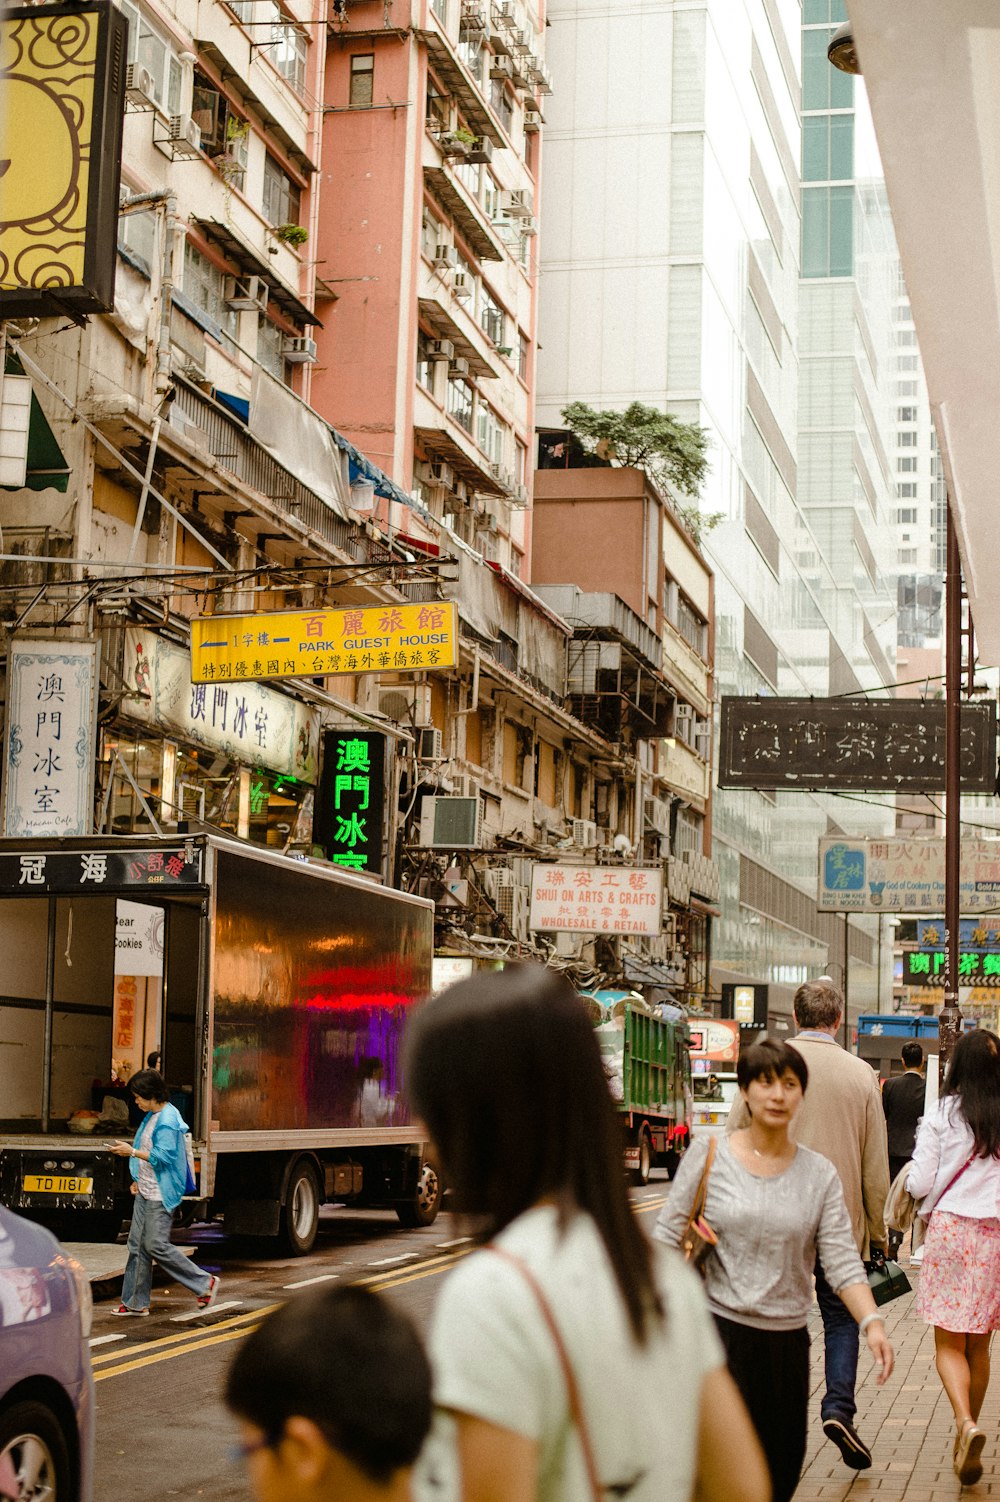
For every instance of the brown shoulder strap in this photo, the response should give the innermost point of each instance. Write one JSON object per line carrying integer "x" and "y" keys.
{"x": 569, "y": 1377}
{"x": 698, "y": 1204}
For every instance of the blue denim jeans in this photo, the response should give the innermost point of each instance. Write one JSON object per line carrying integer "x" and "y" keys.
{"x": 149, "y": 1237}
{"x": 840, "y": 1342}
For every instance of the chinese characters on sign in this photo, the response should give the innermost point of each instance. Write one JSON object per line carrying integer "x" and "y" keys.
{"x": 597, "y": 899}
{"x": 250, "y": 723}
{"x": 352, "y": 799}
{"x": 49, "y": 752}
{"x": 974, "y": 933}
{"x": 904, "y": 876}
{"x": 99, "y": 871}
{"x": 312, "y": 644}
{"x": 927, "y": 967}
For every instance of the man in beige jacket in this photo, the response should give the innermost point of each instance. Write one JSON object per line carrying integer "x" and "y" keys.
{"x": 842, "y": 1118}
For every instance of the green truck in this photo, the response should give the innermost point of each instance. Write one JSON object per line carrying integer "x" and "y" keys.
{"x": 648, "y": 1062}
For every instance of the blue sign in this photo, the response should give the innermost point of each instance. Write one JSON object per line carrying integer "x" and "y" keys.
{"x": 844, "y": 869}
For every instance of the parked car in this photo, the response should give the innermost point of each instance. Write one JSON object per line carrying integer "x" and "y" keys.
{"x": 46, "y": 1383}
{"x": 713, "y": 1098}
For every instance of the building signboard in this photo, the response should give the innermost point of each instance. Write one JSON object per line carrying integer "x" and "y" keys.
{"x": 874, "y": 745}
{"x": 904, "y": 876}
{"x": 316, "y": 643}
{"x": 50, "y": 737}
{"x": 250, "y": 723}
{"x": 974, "y": 933}
{"x": 712, "y": 1038}
{"x": 596, "y": 899}
{"x": 926, "y": 967}
{"x": 96, "y": 871}
{"x": 62, "y": 77}
{"x": 351, "y": 806}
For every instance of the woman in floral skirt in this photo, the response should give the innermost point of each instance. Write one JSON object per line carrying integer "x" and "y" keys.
{"x": 955, "y": 1173}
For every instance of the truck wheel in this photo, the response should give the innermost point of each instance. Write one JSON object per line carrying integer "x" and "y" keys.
{"x": 640, "y": 1175}
{"x": 33, "y": 1443}
{"x": 300, "y": 1212}
{"x": 422, "y": 1208}
{"x": 672, "y": 1161}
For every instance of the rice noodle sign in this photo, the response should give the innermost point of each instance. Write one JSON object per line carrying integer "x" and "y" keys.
{"x": 596, "y": 899}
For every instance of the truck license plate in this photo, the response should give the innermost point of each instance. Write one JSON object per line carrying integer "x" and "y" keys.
{"x": 36, "y": 1184}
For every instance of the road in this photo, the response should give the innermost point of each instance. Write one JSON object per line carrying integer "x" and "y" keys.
{"x": 162, "y": 1430}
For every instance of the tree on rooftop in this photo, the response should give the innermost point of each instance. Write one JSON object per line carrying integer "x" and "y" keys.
{"x": 670, "y": 452}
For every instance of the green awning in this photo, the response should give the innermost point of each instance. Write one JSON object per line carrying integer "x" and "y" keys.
{"x": 47, "y": 467}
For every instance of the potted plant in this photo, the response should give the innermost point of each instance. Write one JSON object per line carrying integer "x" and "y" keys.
{"x": 291, "y": 234}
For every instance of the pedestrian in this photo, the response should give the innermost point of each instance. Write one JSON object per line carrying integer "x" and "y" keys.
{"x": 774, "y": 1206}
{"x": 554, "y": 1344}
{"x": 955, "y": 1173}
{"x": 841, "y": 1118}
{"x": 903, "y": 1106}
{"x": 333, "y": 1393}
{"x": 159, "y": 1168}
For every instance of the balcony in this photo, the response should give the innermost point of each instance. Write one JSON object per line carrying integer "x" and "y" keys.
{"x": 463, "y": 87}
{"x": 469, "y": 216}
{"x": 685, "y": 772}
{"x": 447, "y": 319}
{"x": 442, "y": 436}
{"x": 686, "y": 670}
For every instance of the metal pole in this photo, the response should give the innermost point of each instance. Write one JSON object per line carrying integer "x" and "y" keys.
{"x": 847, "y": 935}
{"x": 950, "y": 1020}
{"x": 878, "y": 971}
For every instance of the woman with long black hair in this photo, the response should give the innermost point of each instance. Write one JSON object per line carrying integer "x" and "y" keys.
{"x": 955, "y": 1173}
{"x": 573, "y": 1359}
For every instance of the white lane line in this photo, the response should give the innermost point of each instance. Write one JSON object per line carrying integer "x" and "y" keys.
{"x": 180, "y": 1319}
{"x": 103, "y": 1340}
{"x": 391, "y": 1261}
{"x": 442, "y": 1246}
{"x": 305, "y": 1282}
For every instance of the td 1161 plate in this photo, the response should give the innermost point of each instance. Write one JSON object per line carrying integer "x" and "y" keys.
{"x": 50, "y": 1184}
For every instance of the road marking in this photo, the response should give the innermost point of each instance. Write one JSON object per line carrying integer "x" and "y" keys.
{"x": 151, "y": 1360}
{"x": 182, "y": 1340}
{"x": 103, "y": 1340}
{"x": 653, "y": 1205}
{"x": 459, "y": 1241}
{"x": 182, "y": 1319}
{"x": 306, "y": 1282}
{"x": 392, "y": 1261}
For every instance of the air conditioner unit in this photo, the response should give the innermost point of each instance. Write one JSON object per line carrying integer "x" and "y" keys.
{"x": 703, "y": 739}
{"x": 482, "y": 151}
{"x": 513, "y": 904}
{"x": 473, "y": 16}
{"x": 299, "y": 351}
{"x": 248, "y": 296}
{"x": 406, "y": 703}
{"x": 451, "y": 823}
{"x": 532, "y": 121}
{"x": 183, "y": 138}
{"x": 487, "y": 523}
{"x": 516, "y": 202}
{"x": 459, "y": 367}
{"x": 501, "y": 67}
{"x": 440, "y": 349}
{"x": 191, "y": 370}
{"x": 464, "y": 786}
{"x": 503, "y": 14}
{"x": 585, "y": 833}
{"x": 442, "y": 473}
{"x": 521, "y": 44}
{"x": 430, "y": 744}
{"x": 139, "y": 87}
{"x": 445, "y": 257}
{"x": 657, "y": 814}
{"x": 461, "y": 285}
{"x": 521, "y": 496}
{"x": 529, "y": 225}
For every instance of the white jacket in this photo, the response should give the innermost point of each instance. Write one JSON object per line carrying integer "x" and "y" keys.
{"x": 944, "y": 1143}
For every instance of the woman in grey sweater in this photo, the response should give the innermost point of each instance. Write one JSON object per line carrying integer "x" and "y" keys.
{"x": 774, "y": 1206}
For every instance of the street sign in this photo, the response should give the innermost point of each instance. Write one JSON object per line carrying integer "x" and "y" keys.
{"x": 351, "y": 804}
{"x": 872, "y": 745}
{"x": 904, "y": 876}
{"x": 596, "y": 899}
{"x": 974, "y": 933}
{"x": 316, "y": 643}
{"x": 976, "y": 967}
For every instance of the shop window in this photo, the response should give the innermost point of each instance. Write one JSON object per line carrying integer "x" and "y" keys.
{"x": 362, "y": 80}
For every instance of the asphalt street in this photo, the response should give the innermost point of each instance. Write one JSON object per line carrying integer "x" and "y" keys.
{"x": 162, "y": 1430}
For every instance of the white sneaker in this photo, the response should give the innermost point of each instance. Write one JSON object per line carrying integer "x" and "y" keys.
{"x": 917, "y": 1257}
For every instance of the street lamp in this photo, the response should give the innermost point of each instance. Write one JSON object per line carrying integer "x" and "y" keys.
{"x": 842, "y": 52}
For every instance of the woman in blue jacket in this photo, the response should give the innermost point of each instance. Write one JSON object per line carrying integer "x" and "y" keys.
{"x": 158, "y": 1164}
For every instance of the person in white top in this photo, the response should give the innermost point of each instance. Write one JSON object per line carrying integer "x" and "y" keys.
{"x": 556, "y": 1346}
{"x": 955, "y": 1173}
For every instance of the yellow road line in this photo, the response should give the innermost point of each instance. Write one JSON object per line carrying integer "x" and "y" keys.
{"x": 651, "y": 1205}
{"x": 188, "y": 1335}
{"x": 211, "y": 1340}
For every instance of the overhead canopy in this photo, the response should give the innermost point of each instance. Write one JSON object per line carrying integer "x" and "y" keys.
{"x": 932, "y": 72}
{"x": 47, "y": 467}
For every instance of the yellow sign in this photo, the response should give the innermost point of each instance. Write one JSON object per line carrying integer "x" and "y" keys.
{"x": 34, "y": 1184}
{"x": 61, "y": 76}
{"x": 314, "y": 643}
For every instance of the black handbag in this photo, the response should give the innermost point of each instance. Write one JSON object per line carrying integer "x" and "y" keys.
{"x": 886, "y": 1279}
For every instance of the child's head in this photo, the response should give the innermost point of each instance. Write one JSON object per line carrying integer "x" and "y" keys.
{"x": 334, "y": 1394}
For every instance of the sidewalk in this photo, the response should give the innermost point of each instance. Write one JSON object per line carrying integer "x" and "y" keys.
{"x": 908, "y": 1424}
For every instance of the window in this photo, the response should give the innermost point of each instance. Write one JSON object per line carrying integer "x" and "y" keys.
{"x": 148, "y": 48}
{"x": 436, "y": 114}
{"x": 906, "y": 388}
{"x": 430, "y": 234}
{"x": 827, "y": 148}
{"x": 682, "y": 615}
{"x": 501, "y": 104}
{"x": 460, "y": 403}
{"x": 440, "y": 9}
{"x": 491, "y": 434}
{"x": 491, "y": 196}
{"x": 137, "y": 234}
{"x": 823, "y": 87}
{"x": 906, "y": 516}
{"x": 907, "y": 555}
{"x": 492, "y": 319}
{"x": 425, "y": 365}
{"x": 270, "y": 342}
{"x": 906, "y": 414}
{"x": 907, "y": 465}
{"x": 523, "y": 349}
{"x": 907, "y": 439}
{"x": 288, "y": 45}
{"x": 225, "y": 135}
{"x": 520, "y": 462}
{"x": 362, "y": 79}
{"x": 473, "y": 55}
{"x": 906, "y": 362}
{"x": 907, "y": 490}
{"x": 204, "y": 285}
{"x": 827, "y": 227}
{"x": 282, "y": 197}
